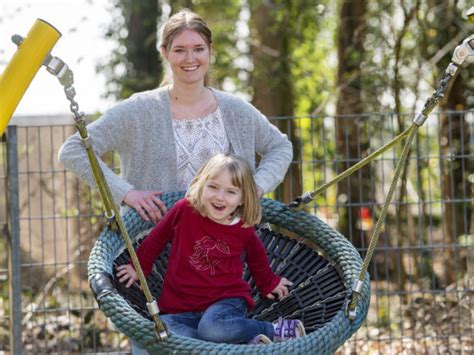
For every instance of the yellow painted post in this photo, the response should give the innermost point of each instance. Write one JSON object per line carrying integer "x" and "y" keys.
{"x": 23, "y": 67}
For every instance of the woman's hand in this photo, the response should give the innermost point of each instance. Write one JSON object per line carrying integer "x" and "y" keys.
{"x": 127, "y": 272}
{"x": 281, "y": 290}
{"x": 146, "y": 203}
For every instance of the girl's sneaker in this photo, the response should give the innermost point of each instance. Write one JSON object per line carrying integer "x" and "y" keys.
{"x": 260, "y": 339}
{"x": 287, "y": 329}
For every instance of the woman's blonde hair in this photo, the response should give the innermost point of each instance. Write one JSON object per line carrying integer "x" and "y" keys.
{"x": 183, "y": 20}
{"x": 242, "y": 177}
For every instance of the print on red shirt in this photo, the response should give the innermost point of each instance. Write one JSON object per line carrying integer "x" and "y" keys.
{"x": 208, "y": 254}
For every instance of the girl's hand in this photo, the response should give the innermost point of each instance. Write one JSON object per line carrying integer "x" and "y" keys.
{"x": 127, "y": 272}
{"x": 281, "y": 290}
{"x": 146, "y": 203}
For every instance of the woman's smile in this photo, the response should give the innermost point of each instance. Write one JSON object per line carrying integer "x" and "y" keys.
{"x": 189, "y": 57}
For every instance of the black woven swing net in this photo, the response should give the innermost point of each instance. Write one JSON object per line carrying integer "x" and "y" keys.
{"x": 318, "y": 293}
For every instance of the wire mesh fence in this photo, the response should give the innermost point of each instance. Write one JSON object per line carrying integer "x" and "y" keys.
{"x": 421, "y": 284}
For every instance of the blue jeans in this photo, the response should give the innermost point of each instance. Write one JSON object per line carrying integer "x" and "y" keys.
{"x": 223, "y": 322}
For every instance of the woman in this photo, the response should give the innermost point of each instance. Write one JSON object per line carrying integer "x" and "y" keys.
{"x": 163, "y": 136}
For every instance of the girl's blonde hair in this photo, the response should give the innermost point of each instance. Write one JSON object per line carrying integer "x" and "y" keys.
{"x": 183, "y": 20}
{"x": 242, "y": 177}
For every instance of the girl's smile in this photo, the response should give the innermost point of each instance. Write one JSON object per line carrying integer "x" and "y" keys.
{"x": 221, "y": 198}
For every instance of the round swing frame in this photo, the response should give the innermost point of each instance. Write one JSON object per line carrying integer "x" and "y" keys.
{"x": 326, "y": 339}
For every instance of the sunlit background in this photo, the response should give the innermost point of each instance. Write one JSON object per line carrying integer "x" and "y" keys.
{"x": 82, "y": 25}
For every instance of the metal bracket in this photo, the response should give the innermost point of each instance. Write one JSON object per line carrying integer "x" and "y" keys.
{"x": 101, "y": 285}
{"x": 59, "y": 68}
{"x": 464, "y": 51}
{"x": 350, "y": 313}
{"x": 419, "y": 119}
{"x": 153, "y": 307}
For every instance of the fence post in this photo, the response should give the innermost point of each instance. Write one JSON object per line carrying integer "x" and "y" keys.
{"x": 13, "y": 241}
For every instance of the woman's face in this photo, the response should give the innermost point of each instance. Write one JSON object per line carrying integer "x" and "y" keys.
{"x": 188, "y": 56}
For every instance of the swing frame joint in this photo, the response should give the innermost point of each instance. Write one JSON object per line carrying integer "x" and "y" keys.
{"x": 351, "y": 305}
{"x": 303, "y": 199}
{"x": 351, "y": 310}
{"x": 57, "y": 67}
{"x": 162, "y": 335}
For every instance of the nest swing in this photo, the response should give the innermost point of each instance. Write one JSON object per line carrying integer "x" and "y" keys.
{"x": 322, "y": 284}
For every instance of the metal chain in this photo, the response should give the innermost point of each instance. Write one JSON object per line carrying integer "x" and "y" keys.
{"x": 431, "y": 103}
{"x": 60, "y": 69}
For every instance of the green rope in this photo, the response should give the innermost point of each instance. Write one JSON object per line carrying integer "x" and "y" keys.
{"x": 383, "y": 214}
{"x": 359, "y": 164}
{"x": 99, "y": 177}
{"x": 418, "y": 121}
{"x": 113, "y": 213}
{"x": 430, "y": 104}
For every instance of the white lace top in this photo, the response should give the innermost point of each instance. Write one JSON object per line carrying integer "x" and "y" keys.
{"x": 196, "y": 141}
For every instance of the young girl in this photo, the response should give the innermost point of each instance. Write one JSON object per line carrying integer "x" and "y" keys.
{"x": 204, "y": 295}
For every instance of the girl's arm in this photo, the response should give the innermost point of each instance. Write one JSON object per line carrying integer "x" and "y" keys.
{"x": 259, "y": 267}
{"x": 281, "y": 290}
{"x": 161, "y": 234}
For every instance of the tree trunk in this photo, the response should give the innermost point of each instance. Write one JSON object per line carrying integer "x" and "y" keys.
{"x": 455, "y": 168}
{"x": 144, "y": 67}
{"x": 352, "y": 141}
{"x": 271, "y": 81}
{"x": 454, "y": 147}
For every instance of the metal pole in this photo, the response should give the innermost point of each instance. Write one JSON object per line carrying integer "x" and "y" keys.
{"x": 13, "y": 241}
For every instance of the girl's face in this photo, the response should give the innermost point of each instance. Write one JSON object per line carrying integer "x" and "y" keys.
{"x": 221, "y": 198}
{"x": 188, "y": 56}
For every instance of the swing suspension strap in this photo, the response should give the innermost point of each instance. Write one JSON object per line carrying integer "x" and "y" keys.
{"x": 59, "y": 68}
{"x": 463, "y": 53}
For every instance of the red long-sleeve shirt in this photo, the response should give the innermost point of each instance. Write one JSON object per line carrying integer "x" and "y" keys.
{"x": 205, "y": 263}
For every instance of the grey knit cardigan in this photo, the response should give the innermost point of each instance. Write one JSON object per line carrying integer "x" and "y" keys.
{"x": 140, "y": 130}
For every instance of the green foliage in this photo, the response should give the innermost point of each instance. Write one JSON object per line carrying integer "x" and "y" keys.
{"x": 307, "y": 27}
{"x": 222, "y": 17}
{"x": 311, "y": 28}
{"x": 135, "y": 64}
